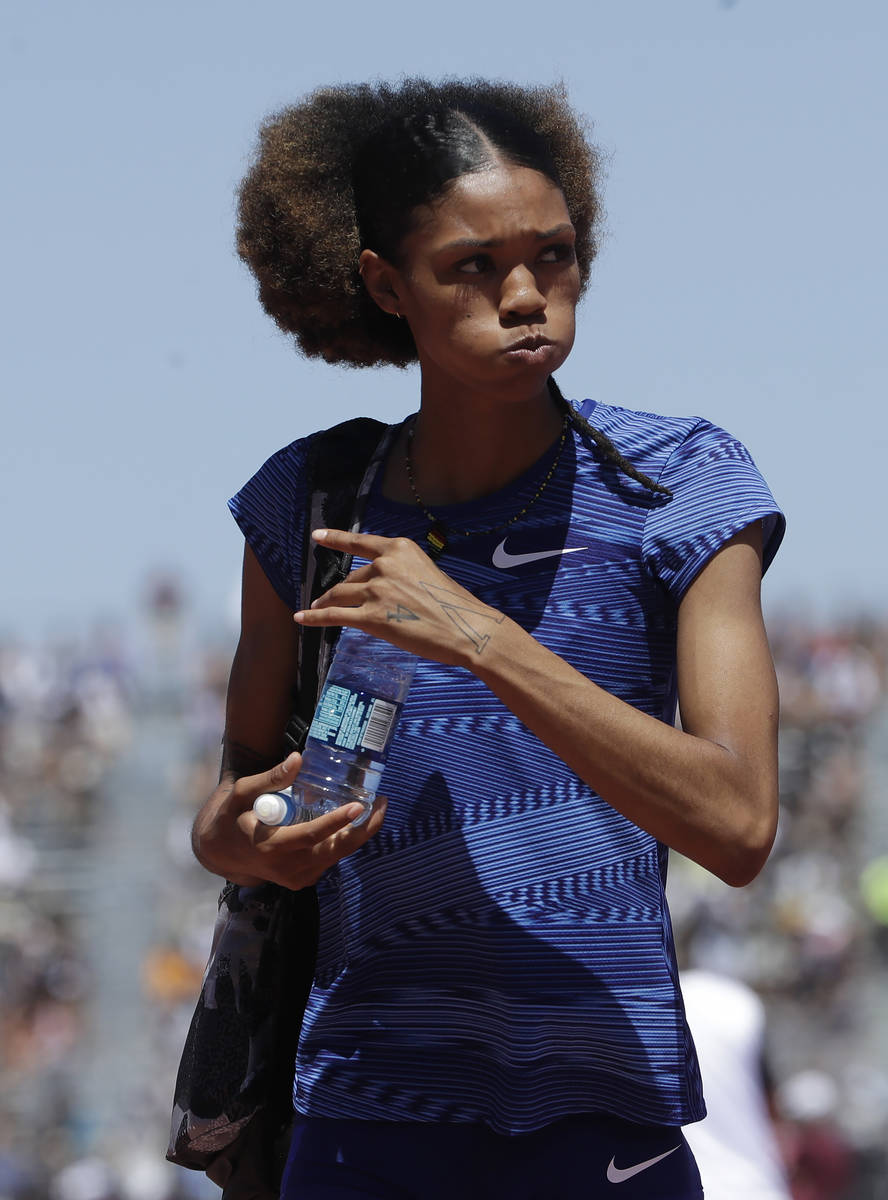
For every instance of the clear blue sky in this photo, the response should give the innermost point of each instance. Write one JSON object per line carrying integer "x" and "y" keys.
{"x": 742, "y": 276}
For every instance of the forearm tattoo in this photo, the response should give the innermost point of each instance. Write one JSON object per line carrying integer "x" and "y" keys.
{"x": 462, "y": 615}
{"x": 238, "y": 760}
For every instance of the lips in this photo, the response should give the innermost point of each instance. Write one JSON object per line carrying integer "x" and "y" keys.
{"x": 529, "y": 343}
{"x": 533, "y": 351}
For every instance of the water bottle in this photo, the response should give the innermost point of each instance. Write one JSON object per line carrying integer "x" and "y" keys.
{"x": 350, "y": 734}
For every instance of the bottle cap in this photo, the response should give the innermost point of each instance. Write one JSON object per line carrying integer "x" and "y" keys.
{"x": 270, "y": 808}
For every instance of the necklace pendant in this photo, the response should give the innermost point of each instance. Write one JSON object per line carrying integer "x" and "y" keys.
{"x": 436, "y": 540}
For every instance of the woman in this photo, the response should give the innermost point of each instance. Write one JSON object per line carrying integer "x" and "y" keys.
{"x": 496, "y": 1008}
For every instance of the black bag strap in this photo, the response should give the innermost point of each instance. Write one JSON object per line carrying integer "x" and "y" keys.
{"x": 350, "y": 452}
{"x": 342, "y": 464}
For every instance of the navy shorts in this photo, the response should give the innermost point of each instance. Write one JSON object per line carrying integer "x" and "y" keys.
{"x": 579, "y": 1157}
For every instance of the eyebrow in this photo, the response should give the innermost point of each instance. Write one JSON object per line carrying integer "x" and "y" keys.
{"x": 491, "y": 243}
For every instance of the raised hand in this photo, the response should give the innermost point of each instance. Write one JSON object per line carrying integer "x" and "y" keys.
{"x": 400, "y": 595}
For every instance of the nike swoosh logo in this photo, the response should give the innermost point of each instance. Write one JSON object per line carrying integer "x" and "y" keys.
{"x": 504, "y": 560}
{"x": 616, "y": 1174}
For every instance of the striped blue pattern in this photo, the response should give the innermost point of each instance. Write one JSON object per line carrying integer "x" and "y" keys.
{"x": 501, "y": 951}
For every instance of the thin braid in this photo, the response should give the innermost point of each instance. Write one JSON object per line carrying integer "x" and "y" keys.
{"x": 603, "y": 442}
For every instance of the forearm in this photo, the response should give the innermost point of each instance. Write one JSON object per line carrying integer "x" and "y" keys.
{"x": 258, "y": 706}
{"x": 227, "y": 837}
{"x": 694, "y": 794}
{"x": 709, "y": 790}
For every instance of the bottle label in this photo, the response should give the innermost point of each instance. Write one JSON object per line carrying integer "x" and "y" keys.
{"x": 353, "y": 720}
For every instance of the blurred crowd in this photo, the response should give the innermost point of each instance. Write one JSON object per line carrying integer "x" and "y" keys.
{"x": 809, "y": 935}
{"x": 90, "y": 1046}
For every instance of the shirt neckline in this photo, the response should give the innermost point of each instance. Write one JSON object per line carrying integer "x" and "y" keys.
{"x": 453, "y": 513}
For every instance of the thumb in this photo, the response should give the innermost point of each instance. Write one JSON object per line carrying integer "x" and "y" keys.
{"x": 279, "y": 777}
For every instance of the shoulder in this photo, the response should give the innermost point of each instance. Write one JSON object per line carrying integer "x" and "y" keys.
{"x": 337, "y": 451}
{"x": 653, "y": 441}
{"x": 645, "y": 429}
{"x": 714, "y": 488}
{"x": 314, "y": 476}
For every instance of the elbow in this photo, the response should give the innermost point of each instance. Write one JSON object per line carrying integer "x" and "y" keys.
{"x": 206, "y": 838}
{"x": 751, "y": 844}
{"x": 201, "y": 841}
{"x": 743, "y": 868}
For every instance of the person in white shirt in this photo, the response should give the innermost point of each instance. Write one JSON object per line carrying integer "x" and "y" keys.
{"x": 735, "y": 1146}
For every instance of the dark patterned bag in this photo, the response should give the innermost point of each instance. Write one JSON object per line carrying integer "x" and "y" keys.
{"x": 239, "y": 1053}
{"x": 232, "y": 1108}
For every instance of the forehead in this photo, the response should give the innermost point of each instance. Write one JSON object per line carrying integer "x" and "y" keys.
{"x": 497, "y": 203}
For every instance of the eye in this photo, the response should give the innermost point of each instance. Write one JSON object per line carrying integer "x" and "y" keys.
{"x": 476, "y": 265}
{"x": 560, "y": 252}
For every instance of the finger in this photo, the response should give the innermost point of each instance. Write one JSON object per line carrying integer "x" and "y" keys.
{"x": 284, "y": 773}
{"x": 274, "y": 780}
{"x": 322, "y": 828}
{"x": 344, "y": 595}
{"x": 331, "y": 849}
{"x": 377, "y": 816}
{"x": 361, "y": 574}
{"x": 315, "y": 617}
{"x": 377, "y": 811}
{"x": 304, "y": 835}
{"x": 307, "y": 863}
{"x": 366, "y": 545}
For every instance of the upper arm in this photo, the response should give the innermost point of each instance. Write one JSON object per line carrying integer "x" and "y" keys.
{"x": 726, "y": 681}
{"x": 263, "y": 674}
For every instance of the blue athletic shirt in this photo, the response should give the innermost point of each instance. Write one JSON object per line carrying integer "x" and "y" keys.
{"x": 501, "y": 951}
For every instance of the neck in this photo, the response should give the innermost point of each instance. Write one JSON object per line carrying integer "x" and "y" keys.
{"x": 462, "y": 451}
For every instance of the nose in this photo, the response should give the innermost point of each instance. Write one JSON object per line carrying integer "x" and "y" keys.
{"x": 520, "y": 295}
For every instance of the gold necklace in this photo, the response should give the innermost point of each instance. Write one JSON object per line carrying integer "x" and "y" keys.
{"x": 437, "y": 537}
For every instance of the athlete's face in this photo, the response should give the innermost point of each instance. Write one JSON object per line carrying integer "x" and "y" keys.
{"x": 488, "y": 281}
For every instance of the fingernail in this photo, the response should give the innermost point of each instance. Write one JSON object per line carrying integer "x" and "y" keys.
{"x": 354, "y": 811}
{"x": 319, "y": 534}
{"x": 299, "y": 617}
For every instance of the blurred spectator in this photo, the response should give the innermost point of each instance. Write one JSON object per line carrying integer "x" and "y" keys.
{"x": 736, "y": 1145}
{"x": 818, "y": 1157}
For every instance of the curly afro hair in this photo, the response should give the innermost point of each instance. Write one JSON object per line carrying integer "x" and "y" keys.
{"x": 345, "y": 170}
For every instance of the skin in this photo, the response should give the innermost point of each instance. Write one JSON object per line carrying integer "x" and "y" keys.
{"x": 475, "y": 276}
{"x": 490, "y": 263}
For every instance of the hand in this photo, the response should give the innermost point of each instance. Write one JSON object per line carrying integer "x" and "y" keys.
{"x": 404, "y": 598}
{"x": 231, "y": 841}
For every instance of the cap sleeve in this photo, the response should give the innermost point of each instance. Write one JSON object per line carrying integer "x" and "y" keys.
{"x": 717, "y": 490}
{"x": 269, "y": 509}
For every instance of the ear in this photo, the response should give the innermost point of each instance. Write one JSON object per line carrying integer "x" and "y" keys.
{"x": 381, "y": 281}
